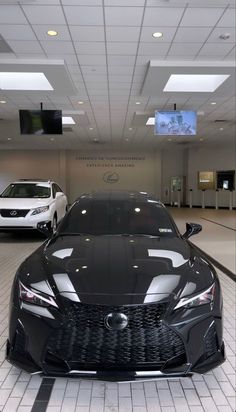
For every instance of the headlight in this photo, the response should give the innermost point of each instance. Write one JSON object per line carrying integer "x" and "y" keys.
{"x": 36, "y": 298}
{"x": 40, "y": 210}
{"x": 202, "y": 299}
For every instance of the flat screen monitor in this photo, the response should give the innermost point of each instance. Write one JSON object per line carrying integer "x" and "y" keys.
{"x": 40, "y": 122}
{"x": 180, "y": 123}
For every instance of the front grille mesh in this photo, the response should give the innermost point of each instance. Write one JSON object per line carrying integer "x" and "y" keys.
{"x": 83, "y": 337}
{"x": 14, "y": 212}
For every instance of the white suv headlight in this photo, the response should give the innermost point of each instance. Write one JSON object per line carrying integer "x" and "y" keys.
{"x": 40, "y": 210}
{"x": 201, "y": 299}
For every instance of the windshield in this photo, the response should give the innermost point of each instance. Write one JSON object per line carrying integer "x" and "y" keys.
{"x": 26, "y": 190}
{"x": 101, "y": 217}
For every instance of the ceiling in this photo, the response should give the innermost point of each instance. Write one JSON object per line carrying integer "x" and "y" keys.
{"x": 106, "y": 46}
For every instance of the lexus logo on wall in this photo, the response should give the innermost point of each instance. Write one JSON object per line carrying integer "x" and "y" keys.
{"x": 13, "y": 212}
{"x": 111, "y": 177}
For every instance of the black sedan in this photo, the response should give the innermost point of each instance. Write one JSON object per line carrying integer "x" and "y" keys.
{"x": 116, "y": 293}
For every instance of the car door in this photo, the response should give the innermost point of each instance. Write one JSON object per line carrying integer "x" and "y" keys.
{"x": 61, "y": 200}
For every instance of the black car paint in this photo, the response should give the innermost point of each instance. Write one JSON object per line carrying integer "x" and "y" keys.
{"x": 117, "y": 270}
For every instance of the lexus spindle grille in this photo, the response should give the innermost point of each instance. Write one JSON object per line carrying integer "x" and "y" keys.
{"x": 14, "y": 212}
{"x": 84, "y": 338}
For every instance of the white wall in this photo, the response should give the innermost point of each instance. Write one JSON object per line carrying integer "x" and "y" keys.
{"x": 79, "y": 172}
{"x": 208, "y": 159}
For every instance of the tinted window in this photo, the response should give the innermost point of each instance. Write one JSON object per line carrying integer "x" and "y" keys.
{"x": 117, "y": 217}
{"x": 26, "y": 190}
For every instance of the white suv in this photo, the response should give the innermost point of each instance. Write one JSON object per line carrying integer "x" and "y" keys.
{"x": 32, "y": 204}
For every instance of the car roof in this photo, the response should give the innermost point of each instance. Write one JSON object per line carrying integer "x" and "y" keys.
{"x": 118, "y": 195}
{"x": 33, "y": 181}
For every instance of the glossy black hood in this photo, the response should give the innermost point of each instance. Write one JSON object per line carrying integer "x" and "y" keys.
{"x": 119, "y": 269}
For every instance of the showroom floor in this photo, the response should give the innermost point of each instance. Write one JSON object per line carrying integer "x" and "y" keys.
{"x": 215, "y": 391}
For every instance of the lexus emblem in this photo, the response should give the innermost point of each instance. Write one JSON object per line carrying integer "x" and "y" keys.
{"x": 116, "y": 321}
{"x": 111, "y": 177}
{"x": 13, "y": 212}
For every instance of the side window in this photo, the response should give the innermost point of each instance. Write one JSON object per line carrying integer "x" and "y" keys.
{"x": 58, "y": 188}
{"x": 54, "y": 190}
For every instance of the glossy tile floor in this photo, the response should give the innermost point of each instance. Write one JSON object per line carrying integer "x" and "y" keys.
{"x": 212, "y": 392}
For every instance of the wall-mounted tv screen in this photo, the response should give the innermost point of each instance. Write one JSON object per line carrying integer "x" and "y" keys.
{"x": 40, "y": 122}
{"x": 180, "y": 123}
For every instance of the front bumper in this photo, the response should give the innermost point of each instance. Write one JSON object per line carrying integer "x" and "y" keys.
{"x": 202, "y": 340}
{"x": 27, "y": 222}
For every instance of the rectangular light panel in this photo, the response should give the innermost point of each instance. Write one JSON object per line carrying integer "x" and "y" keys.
{"x": 24, "y": 81}
{"x": 150, "y": 121}
{"x": 194, "y": 82}
{"x": 67, "y": 120}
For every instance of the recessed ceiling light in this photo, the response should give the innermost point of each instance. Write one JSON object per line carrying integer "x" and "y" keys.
{"x": 24, "y": 81}
{"x": 52, "y": 139}
{"x": 52, "y": 32}
{"x": 90, "y": 128}
{"x": 80, "y": 102}
{"x": 169, "y": 140}
{"x": 194, "y": 82}
{"x": 67, "y": 120}
{"x": 130, "y": 128}
{"x": 137, "y": 102}
{"x": 221, "y": 128}
{"x": 150, "y": 121}
{"x": 126, "y": 139}
{"x": 157, "y": 35}
{"x": 213, "y": 103}
{"x": 2, "y": 101}
{"x": 9, "y": 138}
{"x": 201, "y": 139}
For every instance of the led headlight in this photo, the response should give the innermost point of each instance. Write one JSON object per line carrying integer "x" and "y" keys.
{"x": 40, "y": 210}
{"x": 36, "y": 298}
{"x": 201, "y": 299}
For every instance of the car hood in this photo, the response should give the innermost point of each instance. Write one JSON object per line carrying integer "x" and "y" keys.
{"x": 22, "y": 203}
{"x": 119, "y": 269}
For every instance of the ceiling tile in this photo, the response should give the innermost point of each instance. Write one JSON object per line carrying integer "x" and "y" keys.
{"x": 192, "y": 35}
{"x": 92, "y": 60}
{"x": 168, "y": 34}
{"x": 123, "y": 16}
{"x": 89, "y": 33}
{"x": 12, "y": 15}
{"x": 93, "y": 69}
{"x": 231, "y": 56}
{"x": 90, "y": 47}
{"x": 156, "y": 50}
{"x": 60, "y": 47}
{"x": 41, "y": 32}
{"x": 122, "y": 48}
{"x": 46, "y": 14}
{"x": 162, "y": 16}
{"x": 70, "y": 59}
{"x": 84, "y": 16}
{"x": 194, "y": 17}
{"x": 220, "y": 51}
{"x": 82, "y": 2}
{"x": 228, "y": 19}
{"x": 17, "y": 32}
{"x": 118, "y": 34}
{"x": 124, "y": 3}
{"x": 184, "y": 49}
{"x": 215, "y": 35}
{"x": 25, "y": 46}
{"x": 120, "y": 60}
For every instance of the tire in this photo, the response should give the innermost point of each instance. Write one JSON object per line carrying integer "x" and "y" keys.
{"x": 54, "y": 224}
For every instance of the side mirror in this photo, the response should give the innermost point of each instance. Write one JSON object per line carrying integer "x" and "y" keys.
{"x": 192, "y": 229}
{"x": 45, "y": 228}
